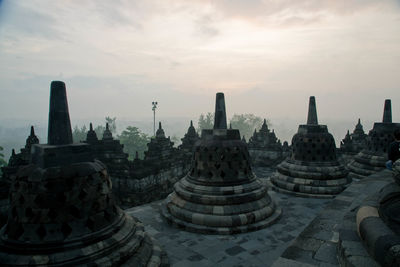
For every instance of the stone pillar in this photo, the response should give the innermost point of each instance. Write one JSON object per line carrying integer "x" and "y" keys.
{"x": 220, "y": 113}
{"x": 59, "y": 132}
{"x": 312, "y": 118}
{"x": 387, "y": 112}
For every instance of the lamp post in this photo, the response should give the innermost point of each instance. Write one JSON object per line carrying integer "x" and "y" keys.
{"x": 154, "y": 116}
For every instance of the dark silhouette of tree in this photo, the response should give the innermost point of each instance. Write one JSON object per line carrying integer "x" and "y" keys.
{"x": 134, "y": 140}
{"x": 2, "y": 161}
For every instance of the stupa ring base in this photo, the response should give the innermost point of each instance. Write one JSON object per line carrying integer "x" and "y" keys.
{"x": 300, "y": 194}
{"x": 301, "y": 190}
{"x": 205, "y": 229}
{"x": 131, "y": 240}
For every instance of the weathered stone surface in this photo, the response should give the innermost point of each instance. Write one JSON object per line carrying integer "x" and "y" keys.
{"x": 220, "y": 112}
{"x": 220, "y": 194}
{"x": 19, "y": 159}
{"x": 387, "y": 112}
{"x": 143, "y": 180}
{"x": 312, "y": 170}
{"x": 264, "y": 148}
{"x": 312, "y": 118}
{"x": 59, "y": 130}
{"x": 373, "y": 157}
{"x": 352, "y": 143}
{"x": 378, "y": 224}
{"x": 15, "y": 162}
{"x": 109, "y": 151}
{"x": 62, "y": 213}
{"x": 63, "y": 217}
{"x": 189, "y": 140}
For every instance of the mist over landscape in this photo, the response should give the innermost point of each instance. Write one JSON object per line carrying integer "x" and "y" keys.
{"x": 13, "y": 133}
{"x": 267, "y": 57}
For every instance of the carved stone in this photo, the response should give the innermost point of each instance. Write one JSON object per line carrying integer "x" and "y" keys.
{"x": 220, "y": 194}
{"x": 312, "y": 170}
{"x": 373, "y": 157}
{"x": 62, "y": 211}
{"x": 264, "y": 148}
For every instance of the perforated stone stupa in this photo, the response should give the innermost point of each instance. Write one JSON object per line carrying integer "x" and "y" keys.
{"x": 264, "y": 147}
{"x": 220, "y": 194}
{"x": 312, "y": 169}
{"x": 15, "y": 162}
{"x": 61, "y": 208}
{"x": 373, "y": 157}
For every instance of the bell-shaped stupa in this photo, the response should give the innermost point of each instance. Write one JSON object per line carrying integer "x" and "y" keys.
{"x": 373, "y": 157}
{"x": 62, "y": 211}
{"x": 220, "y": 194}
{"x": 312, "y": 169}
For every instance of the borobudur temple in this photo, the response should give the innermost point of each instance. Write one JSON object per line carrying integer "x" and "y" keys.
{"x": 372, "y": 159}
{"x": 312, "y": 169}
{"x": 220, "y": 194}
{"x": 61, "y": 208}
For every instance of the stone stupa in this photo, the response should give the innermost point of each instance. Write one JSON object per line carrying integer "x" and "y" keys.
{"x": 373, "y": 157}
{"x": 61, "y": 208}
{"x": 20, "y": 159}
{"x": 312, "y": 169}
{"x": 160, "y": 147}
{"x": 110, "y": 152}
{"x": 190, "y": 138}
{"x": 220, "y": 194}
{"x": 354, "y": 142}
{"x": 264, "y": 147}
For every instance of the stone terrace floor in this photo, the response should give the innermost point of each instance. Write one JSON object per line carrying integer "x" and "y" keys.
{"x": 260, "y": 248}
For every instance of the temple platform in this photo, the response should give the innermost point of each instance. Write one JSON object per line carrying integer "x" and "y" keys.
{"x": 311, "y": 232}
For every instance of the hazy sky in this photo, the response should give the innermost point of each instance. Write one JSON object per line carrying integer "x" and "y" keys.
{"x": 268, "y": 57}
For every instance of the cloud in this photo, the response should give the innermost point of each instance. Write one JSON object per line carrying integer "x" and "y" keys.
{"x": 123, "y": 54}
{"x": 277, "y": 13}
{"x": 16, "y": 17}
{"x": 206, "y": 26}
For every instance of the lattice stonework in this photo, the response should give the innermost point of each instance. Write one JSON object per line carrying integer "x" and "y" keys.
{"x": 312, "y": 170}
{"x": 220, "y": 194}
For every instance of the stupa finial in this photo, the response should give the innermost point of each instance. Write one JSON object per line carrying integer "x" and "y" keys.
{"x": 59, "y": 131}
{"x": 220, "y": 112}
{"x": 312, "y": 118}
{"x": 387, "y": 111}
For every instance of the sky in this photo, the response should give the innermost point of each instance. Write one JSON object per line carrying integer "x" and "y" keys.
{"x": 267, "y": 56}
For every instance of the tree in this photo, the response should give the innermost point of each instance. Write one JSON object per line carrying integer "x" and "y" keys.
{"x": 112, "y": 126}
{"x": 79, "y": 135}
{"x": 246, "y": 123}
{"x": 3, "y": 163}
{"x": 176, "y": 140}
{"x": 99, "y": 129}
{"x": 205, "y": 122}
{"x": 134, "y": 140}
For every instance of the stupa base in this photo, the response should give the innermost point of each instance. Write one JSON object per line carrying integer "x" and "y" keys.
{"x": 275, "y": 214}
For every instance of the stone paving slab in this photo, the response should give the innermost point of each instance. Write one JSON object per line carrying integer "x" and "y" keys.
{"x": 317, "y": 244}
{"x": 259, "y": 248}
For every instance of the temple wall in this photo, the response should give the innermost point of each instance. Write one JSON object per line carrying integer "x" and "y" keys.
{"x": 261, "y": 157}
{"x": 131, "y": 192}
